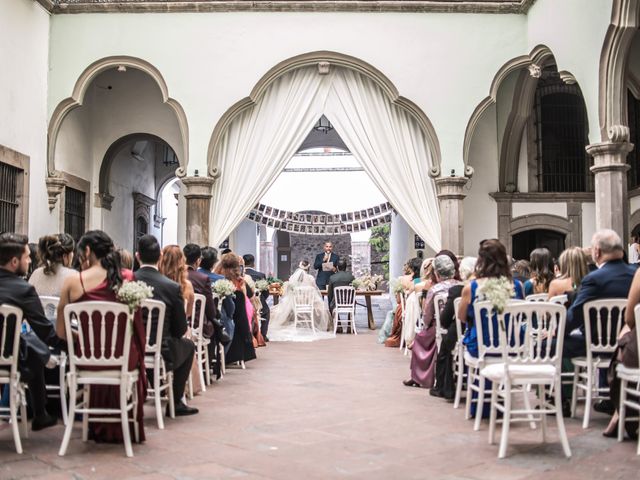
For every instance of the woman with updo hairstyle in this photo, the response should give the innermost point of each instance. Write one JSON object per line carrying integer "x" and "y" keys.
{"x": 100, "y": 277}
{"x": 55, "y": 253}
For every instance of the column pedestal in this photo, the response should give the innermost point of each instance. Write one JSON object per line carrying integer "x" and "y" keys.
{"x": 198, "y": 198}
{"x": 610, "y": 181}
{"x": 451, "y": 195}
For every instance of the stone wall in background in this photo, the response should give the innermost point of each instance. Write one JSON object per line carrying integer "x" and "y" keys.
{"x": 306, "y": 247}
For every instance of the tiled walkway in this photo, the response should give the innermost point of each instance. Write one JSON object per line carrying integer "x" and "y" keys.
{"x": 330, "y": 409}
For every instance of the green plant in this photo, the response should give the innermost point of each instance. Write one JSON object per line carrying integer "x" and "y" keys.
{"x": 379, "y": 241}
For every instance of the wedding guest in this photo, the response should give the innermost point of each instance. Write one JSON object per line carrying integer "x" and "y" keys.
{"x": 15, "y": 259}
{"x": 56, "y": 256}
{"x": 341, "y": 278}
{"x": 99, "y": 280}
{"x": 265, "y": 311}
{"x": 253, "y": 306}
{"x": 202, "y": 285}
{"x": 177, "y": 351}
{"x": 424, "y": 348}
{"x": 572, "y": 265}
{"x": 396, "y": 332}
{"x": 405, "y": 282}
{"x": 209, "y": 259}
{"x": 445, "y": 386}
{"x": 241, "y": 348}
{"x": 542, "y": 272}
{"x": 521, "y": 271}
{"x": 126, "y": 259}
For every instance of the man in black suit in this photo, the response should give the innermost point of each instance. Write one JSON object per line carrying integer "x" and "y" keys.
{"x": 340, "y": 279}
{"x": 177, "y": 351}
{"x": 265, "y": 313}
{"x": 323, "y": 258}
{"x": 202, "y": 285}
{"x": 14, "y": 290}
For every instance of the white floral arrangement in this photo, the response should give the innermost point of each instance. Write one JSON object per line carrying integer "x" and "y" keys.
{"x": 223, "y": 288}
{"x": 133, "y": 294}
{"x": 498, "y": 291}
{"x": 396, "y": 286}
{"x": 262, "y": 286}
{"x": 367, "y": 282}
{"x": 249, "y": 281}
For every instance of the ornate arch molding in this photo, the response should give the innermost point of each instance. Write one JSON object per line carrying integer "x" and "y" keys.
{"x": 634, "y": 220}
{"x": 540, "y": 55}
{"x": 104, "y": 195}
{"x": 540, "y": 221}
{"x": 334, "y": 59}
{"x": 77, "y": 99}
{"x": 625, "y": 21}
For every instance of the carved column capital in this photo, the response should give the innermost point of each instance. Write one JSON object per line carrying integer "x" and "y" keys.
{"x": 451, "y": 188}
{"x": 55, "y": 186}
{"x": 609, "y": 156}
{"x": 104, "y": 200}
{"x": 450, "y": 196}
{"x": 198, "y": 202}
{"x": 198, "y": 187}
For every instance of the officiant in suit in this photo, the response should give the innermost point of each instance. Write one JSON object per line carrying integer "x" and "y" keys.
{"x": 265, "y": 313}
{"x": 321, "y": 265}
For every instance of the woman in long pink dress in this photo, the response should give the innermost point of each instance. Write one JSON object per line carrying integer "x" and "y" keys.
{"x": 100, "y": 277}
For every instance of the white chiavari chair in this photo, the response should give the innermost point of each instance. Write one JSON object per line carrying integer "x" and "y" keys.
{"x": 345, "y": 304}
{"x": 438, "y": 304}
{"x": 303, "y": 311}
{"x": 201, "y": 343}
{"x": 537, "y": 297}
{"x": 629, "y": 387}
{"x": 458, "y": 356}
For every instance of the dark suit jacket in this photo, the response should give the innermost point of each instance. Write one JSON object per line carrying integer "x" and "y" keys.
{"x": 175, "y": 319}
{"x": 264, "y": 295}
{"x": 613, "y": 280}
{"x": 322, "y": 279}
{"x": 338, "y": 279}
{"x": 448, "y": 314}
{"x": 202, "y": 285}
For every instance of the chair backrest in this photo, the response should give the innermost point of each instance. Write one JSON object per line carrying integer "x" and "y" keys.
{"x": 486, "y": 321}
{"x": 527, "y": 330}
{"x": 603, "y": 320}
{"x": 104, "y": 332}
{"x": 303, "y": 296}
{"x": 345, "y": 297}
{"x": 559, "y": 299}
{"x": 456, "y": 307}
{"x": 438, "y": 304}
{"x": 403, "y": 302}
{"x": 197, "y": 317}
{"x": 50, "y": 306}
{"x": 11, "y": 319}
{"x": 537, "y": 297}
{"x": 636, "y": 314}
{"x": 153, "y": 312}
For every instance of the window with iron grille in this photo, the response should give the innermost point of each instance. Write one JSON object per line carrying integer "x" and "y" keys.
{"x": 74, "y": 212}
{"x": 561, "y": 136}
{"x": 8, "y": 197}
{"x": 633, "y": 111}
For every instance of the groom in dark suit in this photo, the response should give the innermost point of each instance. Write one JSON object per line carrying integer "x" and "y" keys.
{"x": 265, "y": 313}
{"x": 322, "y": 258}
{"x": 177, "y": 351}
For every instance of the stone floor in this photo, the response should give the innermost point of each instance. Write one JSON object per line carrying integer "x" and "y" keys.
{"x": 329, "y": 409}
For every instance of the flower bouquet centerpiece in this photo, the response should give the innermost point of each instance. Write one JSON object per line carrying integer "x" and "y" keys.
{"x": 367, "y": 282}
{"x": 262, "y": 286}
{"x": 275, "y": 286}
{"x": 396, "y": 286}
{"x": 133, "y": 294}
{"x": 223, "y": 288}
{"x": 498, "y": 291}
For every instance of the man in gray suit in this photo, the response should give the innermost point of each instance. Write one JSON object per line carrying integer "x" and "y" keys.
{"x": 341, "y": 278}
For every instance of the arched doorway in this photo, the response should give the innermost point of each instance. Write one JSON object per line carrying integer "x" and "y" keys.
{"x": 524, "y": 242}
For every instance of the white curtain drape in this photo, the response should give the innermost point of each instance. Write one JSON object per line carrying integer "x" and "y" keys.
{"x": 385, "y": 139}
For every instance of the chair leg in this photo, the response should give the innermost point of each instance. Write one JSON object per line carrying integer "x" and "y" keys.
{"x": 63, "y": 394}
{"x": 480, "y": 403}
{"x": 86, "y": 398}
{"x": 574, "y": 391}
{"x": 200, "y": 361}
{"x": 24, "y": 422}
{"x": 459, "y": 379}
{"x": 13, "y": 411}
{"x": 506, "y": 423}
{"x": 190, "y": 387}
{"x": 134, "y": 413}
{"x": 622, "y": 409}
{"x": 124, "y": 420}
{"x": 493, "y": 414}
{"x": 560, "y": 419}
{"x": 157, "y": 398}
{"x": 207, "y": 366}
{"x": 543, "y": 417}
{"x": 172, "y": 405}
{"x": 69, "y": 426}
{"x": 223, "y": 362}
{"x": 352, "y": 316}
{"x": 527, "y": 404}
{"x": 470, "y": 378}
{"x": 588, "y": 399}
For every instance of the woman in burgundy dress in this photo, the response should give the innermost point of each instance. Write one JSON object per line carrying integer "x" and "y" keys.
{"x": 100, "y": 277}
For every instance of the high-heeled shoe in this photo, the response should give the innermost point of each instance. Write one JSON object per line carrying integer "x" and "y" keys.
{"x": 410, "y": 383}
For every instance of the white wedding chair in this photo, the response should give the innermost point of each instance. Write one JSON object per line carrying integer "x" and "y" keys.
{"x": 412, "y": 319}
{"x": 600, "y": 344}
{"x": 488, "y": 353}
{"x": 201, "y": 343}
{"x": 629, "y": 387}
{"x": 537, "y": 297}
{"x": 559, "y": 299}
{"x": 345, "y": 304}
{"x": 403, "y": 306}
{"x": 162, "y": 378}
{"x": 50, "y": 307}
{"x": 303, "y": 307}
{"x": 99, "y": 355}
{"x": 458, "y": 356}
{"x": 529, "y": 358}
{"x": 438, "y": 304}
{"x": 11, "y": 318}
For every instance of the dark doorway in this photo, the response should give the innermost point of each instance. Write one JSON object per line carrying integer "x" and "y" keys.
{"x": 523, "y": 243}
{"x": 283, "y": 261}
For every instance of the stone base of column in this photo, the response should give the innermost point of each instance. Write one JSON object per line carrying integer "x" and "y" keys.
{"x": 198, "y": 197}
{"x": 450, "y": 195}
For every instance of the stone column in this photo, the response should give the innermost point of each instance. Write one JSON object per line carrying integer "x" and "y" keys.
{"x": 610, "y": 177}
{"x": 198, "y": 198}
{"x": 451, "y": 195}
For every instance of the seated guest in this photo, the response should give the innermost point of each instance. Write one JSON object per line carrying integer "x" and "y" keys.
{"x": 572, "y": 265}
{"x": 424, "y": 348}
{"x": 14, "y": 290}
{"x": 208, "y": 260}
{"x": 445, "y": 386}
{"x": 265, "y": 312}
{"x": 202, "y": 285}
{"x": 177, "y": 351}
{"x": 521, "y": 271}
{"x": 174, "y": 266}
{"x": 341, "y": 278}
{"x": 56, "y": 256}
{"x": 612, "y": 279}
{"x": 542, "y": 272}
{"x": 100, "y": 278}
{"x": 406, "y": 281}
{"x": 394, "y": 339}
{"x": 126, "y": 259}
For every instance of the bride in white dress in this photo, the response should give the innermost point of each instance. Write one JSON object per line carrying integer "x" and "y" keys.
{"x": 281, "y": 325}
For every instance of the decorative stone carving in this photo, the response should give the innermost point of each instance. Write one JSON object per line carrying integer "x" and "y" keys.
{"x": 535, "y": 70}
{"x": 323, "y": 68}
{"x": 55, "y": 186}
{"x": 619, "y": 133}
{"x": 198, "y": 198}
{"x": 567, "y": 77}
{"x": 450, "y": 195}
{"x": 104, "y": 200}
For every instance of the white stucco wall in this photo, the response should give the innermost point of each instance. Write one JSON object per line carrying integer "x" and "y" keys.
{"x": 523, "y": 165}
{"x": 588, "y": 222}
{"x": 24, "y": 42}
{"x": 521, "y": 209}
